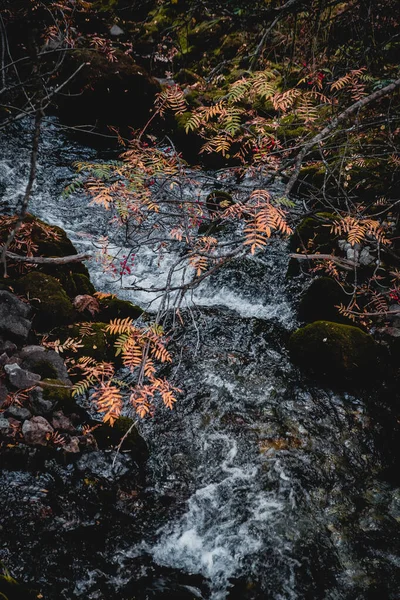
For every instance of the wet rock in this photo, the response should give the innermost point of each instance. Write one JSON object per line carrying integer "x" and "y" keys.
{"x": 37, "y": 431}
{"x": 60, "y": 421}
{"x": 19, "y": 413}
{"x": 110, "y": 466}
{"x": 47, "y": 363}
{"x": 20, "y": 378}
{"x": 336, "y": 352}
{"x": 14, "y": 322}
{"x": 107, "y": 436}
{"x": 218, "y": 201}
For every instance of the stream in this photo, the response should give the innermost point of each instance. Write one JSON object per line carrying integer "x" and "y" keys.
{"x": 260, "y": 484}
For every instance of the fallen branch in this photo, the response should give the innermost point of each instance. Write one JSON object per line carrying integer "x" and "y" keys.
{"x": 333, "y": 124}
{"x": 42, "y": 260}
{"x": 346, "y": 264}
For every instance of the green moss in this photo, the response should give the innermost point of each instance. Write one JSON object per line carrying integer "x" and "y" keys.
{"x": 320, "y": 300}
{"x": 52, "y": 305}
{"x": 314, "y": 232}
{"x": 55, "y": 390}
{"x": 335, "y": 352}
{"x": 313, "y": 174}
{"x": 97, "y": 343}
{"x": 188, "y": 77}
{"x": 76, "y": 284}
{"x": 115, "y": 308}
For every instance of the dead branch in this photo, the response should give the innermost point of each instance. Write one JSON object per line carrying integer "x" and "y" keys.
{"x": 346, "y": 264}
{"x": 41, "y": 260}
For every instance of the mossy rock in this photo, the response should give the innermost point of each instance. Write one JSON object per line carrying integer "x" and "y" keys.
{"x": 50, "y": 241}
{"x": 49, "y": 300}
{"x": 76, "y": 284}
{"x": 315, "y": 230}
{"x": 107, "y": 436}
{"x": 320, "y": 300}
{"x": 339, "y": 354}
{"x": 186, "y": 76}
{"x": 115, "y": 308}
{"x": 97, "y": 343}
{"x": 56, "y": 391}
{"x": 119, "y": 93}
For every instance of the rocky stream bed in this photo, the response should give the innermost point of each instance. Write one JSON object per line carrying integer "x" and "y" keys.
{"x": 260, "y": 484}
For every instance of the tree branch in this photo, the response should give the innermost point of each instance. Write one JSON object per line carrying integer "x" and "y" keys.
{"x": 42, "y": 260}
{"x": 346, "y": 264}
{"x": 388, "y": 89}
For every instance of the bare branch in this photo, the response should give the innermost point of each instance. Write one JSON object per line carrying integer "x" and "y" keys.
{"x": 388, "y": 89}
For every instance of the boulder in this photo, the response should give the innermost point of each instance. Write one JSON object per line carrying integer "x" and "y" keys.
{"x": 58, "y": 393}
{"x": 51, "y": 303}
{"x": 14, "y": 322}
{"x": 320, "y": 300}
{"x": 339, "y": 354}
{"x": 106, "y": 92}
{"x": 20, "y": 378}
{"x": 115, "y": 308}
{"x": 97, "y": 343}
{"x": 19, "y": 413}
{"x": 314, "y": 231}
{"x": 36, "y": 431}
{"x": 60, "y": 421}
{"x": 107, "y": 436}
{"x": 47, "y": 363}
{"x": 7, "y": 347}
{"x": 39, "y": 405}
{"x": 72, "y": 445}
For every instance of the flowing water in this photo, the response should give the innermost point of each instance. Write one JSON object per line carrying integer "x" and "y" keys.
{"x": 260, "y": 484}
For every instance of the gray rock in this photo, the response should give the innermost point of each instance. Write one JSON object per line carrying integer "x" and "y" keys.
{"x": 4, "y": 425}
{"x": 8, "y": 347}
{"x": 366, "y": 258}
{"x": 60, "y": 421}
{"x": 116, "y": 31}
{"x": 20, "y": 378}
{"x": 99, "y": 464}
{"x": 9, "y": 360}
{"x": 39, "y": 405}
{"x": 46, "y": 363}
{"x": 18, "y": 412}
{"x": 37, "y": 431}
{"x": 72, "y": 446}
{"x": 14, "y": 322}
